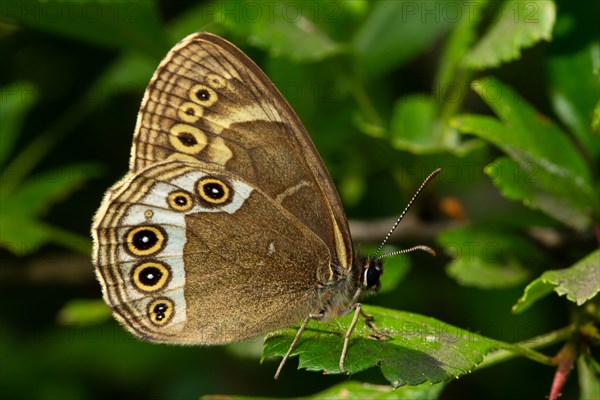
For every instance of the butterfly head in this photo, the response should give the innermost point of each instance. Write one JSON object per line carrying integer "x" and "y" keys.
{"x": 372, "y": 267}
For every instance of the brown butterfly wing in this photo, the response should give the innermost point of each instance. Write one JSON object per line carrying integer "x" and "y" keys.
{"x": 207, "y": 273}
{"x": 208, "y": 101}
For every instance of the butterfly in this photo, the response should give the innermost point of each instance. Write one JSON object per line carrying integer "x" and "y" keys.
{"x": 227, "y": 225}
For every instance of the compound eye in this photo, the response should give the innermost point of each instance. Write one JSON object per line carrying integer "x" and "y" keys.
{"x": 372, "y": 277}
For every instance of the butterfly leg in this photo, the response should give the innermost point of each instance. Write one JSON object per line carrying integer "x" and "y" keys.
{"x": 357, "y": 311}
{"x": 298, "y": 334}
{"x": 368, "y": 319}
{"x": 370, "y": 322}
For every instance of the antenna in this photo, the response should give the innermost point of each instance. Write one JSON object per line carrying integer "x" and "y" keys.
{"x": 398, "y": 252}
{"x": 424, "y": 248}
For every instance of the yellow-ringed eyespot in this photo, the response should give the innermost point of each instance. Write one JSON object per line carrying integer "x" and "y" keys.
{"x": 180, "y": 200}
{"x": 215, "y": 81}
{"x": 148, "y": 214}
{"x": 161, "y": 310}
{"x": 187, "y": 139}
{"x": 203, "y": 95}
{"x": 190, "y": 112}
{"x": 213, "y": 191}
{"x": 150, "y": 276}
{"x": 145, "y": 240}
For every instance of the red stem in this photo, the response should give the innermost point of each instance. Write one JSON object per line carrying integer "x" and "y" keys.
{"x": 565, "y": 360}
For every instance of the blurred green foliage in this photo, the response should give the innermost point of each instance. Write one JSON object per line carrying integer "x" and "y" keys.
{"x": 503, "y": 96}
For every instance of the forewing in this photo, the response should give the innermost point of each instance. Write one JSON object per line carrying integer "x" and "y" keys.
{"x": 208, "y": 101}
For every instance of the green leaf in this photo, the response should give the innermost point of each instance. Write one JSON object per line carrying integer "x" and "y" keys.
{"x": 450, "y": 75}
{"x": 589, "y": 380}
{"x": 16, "y": 99}
{"x": 358, "y": 390}
{"x": 535, "y": 144}
{"x": 487, "y": 258}
{"x": 20, "y": 231}
{"x": 520, "y": 24}
{"x": 84, "y": 312}
{"x": 25, "y": 236}
{"x": 353, "y": 390}
{"x": 596, "y": 120}
{"x": 412, "y": 125}
{"x": 356, "y": 8}
{"x": 410, "y": 349}
{"x": 415, "y": 127}
{"x": 21, "y": 236}
{"x": 538, "y": 190}
{"x": 580, "y": 283}
{"x": 397, "y": 31}
{"x": 574, "y": 93}
{"x": 132, "y": 25}
{"x": 419, "y": 122}
{"x": 530, "y": 134}
{"x": 43, "y": 190}
{"x": 283, "y": 28}
{"x": 451, "y": 79}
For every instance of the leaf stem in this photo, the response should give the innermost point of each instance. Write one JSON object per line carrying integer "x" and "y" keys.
{"x": 526, "y": 348}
